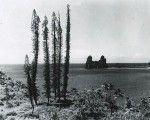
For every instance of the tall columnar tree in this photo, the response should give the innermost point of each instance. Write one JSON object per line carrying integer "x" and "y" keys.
{"x": 59, "y": 49}
{"x": 54, "y": 65}
{"x": 67, "y": 57}
{"x": 46, "y": 58}
{"x": 27, "y": 69}
{"x": 35, "y": 32}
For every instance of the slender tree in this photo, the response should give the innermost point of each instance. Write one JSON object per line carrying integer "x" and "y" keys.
{"x": 54, "y": 66}
{"x": 35, "y": 32}
{"x": 59, "y": 70}
{"x": 27, "y": 69}
{"x": 67, "y": 57}
{"x": 46, "y": 58}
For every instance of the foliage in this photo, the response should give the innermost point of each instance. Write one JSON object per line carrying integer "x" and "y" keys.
{"x": 27, "y": 69}
{"x": 125, "y": 115}
{"x": 67, "y": 57}
{"x": 35, "y": 32}
{"x": 59, "y": 56}
{"x": 46, "y": 58}
{"x": 54, "y": 55}
{"x": 91, "y": 103}
{"x": 88, "y": 105}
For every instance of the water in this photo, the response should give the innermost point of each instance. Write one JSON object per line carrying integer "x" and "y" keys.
{"x": 134, "y": 82}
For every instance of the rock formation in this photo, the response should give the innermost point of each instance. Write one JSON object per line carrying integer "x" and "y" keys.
{"x": 96, "y": 64}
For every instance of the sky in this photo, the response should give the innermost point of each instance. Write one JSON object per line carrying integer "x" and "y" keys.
{"x": 117, "y": 29}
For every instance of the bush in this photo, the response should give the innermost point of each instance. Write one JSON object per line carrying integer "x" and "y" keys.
{"x": 55, "y": 116}
{"x": 1, "y": 117}
{"x": 20, "y": 85}
{"x": 32, "y": 116}
{"x": 11, "y": 114}
{"x": 1, "y": 103}
{"x": 17, "y": 103}
{"x": 91, "y": 103}
{"x": 125, "y": 115}
{"x": 9, "y": 105}
{"x": 12, "y": 118}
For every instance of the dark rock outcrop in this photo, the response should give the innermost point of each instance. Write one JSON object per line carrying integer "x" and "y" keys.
{"x": 96, "y": 64}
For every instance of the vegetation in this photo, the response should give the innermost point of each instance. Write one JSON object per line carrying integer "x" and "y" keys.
{"x": 59, "y": 69}
{"x": 54, "y": 56}
{"x": 51, "y": 72}
{"x": 27, "y": 69}
{"x": 87, "y": 104}
{"x": 99, "y": 104}
{"x": 57, "y": 54}
{"x": 67, "y": 57}
{"x": 35, "y": 32}
{"x": 46, "y": 58}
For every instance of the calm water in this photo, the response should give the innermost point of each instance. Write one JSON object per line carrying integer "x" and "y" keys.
{"x": 134, "y": 82}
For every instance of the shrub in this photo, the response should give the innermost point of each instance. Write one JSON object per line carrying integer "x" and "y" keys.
{"x": 91, "y": 103}
{"x": 9, "y": 105}
{"x": 11, "y": 113}
{"x": 1, "y": 117}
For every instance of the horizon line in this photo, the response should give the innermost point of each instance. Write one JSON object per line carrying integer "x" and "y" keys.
{"x": 82, "y": 63}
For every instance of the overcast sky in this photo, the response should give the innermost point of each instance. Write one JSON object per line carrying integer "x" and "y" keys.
{"x": 118, "y": 29}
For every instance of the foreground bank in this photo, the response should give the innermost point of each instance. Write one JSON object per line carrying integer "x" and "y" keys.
{"x": 106, "y": 103}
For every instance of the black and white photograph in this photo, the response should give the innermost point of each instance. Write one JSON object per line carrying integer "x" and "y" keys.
{"x": 74, "y": 59}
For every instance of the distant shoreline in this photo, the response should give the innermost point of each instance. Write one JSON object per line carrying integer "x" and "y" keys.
{"x": 119, "y": 65}
{"x": 110, "y": 65}
{"x": 128, "y": 65}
